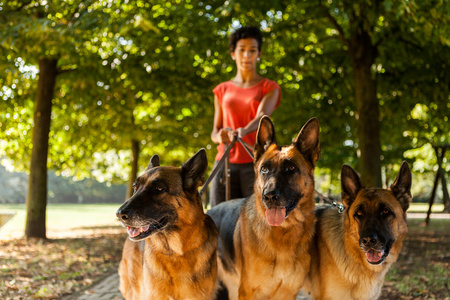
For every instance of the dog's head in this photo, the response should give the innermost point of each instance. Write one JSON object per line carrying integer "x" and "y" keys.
{"x": 160, "y": 194}
{"x": 285, "y": 174}
{"x": 376, "y": 217}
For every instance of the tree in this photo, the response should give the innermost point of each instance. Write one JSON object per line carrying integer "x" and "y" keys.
{"x": 50, "y": 36}
{"x": 37, "y": 184}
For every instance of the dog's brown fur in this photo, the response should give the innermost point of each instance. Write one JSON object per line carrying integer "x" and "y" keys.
{"x": 257, "y": 260}
{"x": 374, "y": 220}
{"x": 177, "y": 258}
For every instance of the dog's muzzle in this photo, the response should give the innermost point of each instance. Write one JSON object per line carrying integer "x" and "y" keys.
{"x": 375, "y": 250}
{"x": 135, "y": 230}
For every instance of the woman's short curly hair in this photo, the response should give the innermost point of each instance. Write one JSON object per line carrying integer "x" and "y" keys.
{"x": 245, "y": 33}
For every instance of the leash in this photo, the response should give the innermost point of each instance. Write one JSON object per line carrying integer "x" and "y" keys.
{"x": 247, "y": 147}
{"x": 339, "y": 206}
{"x": 219, "y": 164}
{"x": 225, "y": 155}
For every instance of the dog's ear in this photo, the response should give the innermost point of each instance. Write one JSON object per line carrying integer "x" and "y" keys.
{"x": 265, "y": 137}
{"x": 194, "y": 169}
{"x": 154, "y": 162}
{"x": 350, "y": 185}
{"x": 308, "y": 141}
{"x": 401, "y": 188}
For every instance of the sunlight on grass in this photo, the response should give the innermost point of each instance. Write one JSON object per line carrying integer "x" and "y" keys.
{"x": 61, "y": 217}
{"x": 423, "y": 207}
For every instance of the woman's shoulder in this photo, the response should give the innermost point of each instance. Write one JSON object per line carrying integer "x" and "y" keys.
{"x": 224, "y": 84}
{"x": 221, "y": 87}
{"x": 269, "y": 82}
{"x": 269, "y": 85}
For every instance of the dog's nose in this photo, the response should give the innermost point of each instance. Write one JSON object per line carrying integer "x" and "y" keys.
{"x": 370, "y": 240}
{"x": 272, "y": 196}
{"x": 123, "y": 214}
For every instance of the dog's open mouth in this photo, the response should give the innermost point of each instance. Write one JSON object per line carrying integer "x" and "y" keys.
{"x": 139, "y": 233}
{"x": 276, "y": 215}
{"x": 375, "y": 257}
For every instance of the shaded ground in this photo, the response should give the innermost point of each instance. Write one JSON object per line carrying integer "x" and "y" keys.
{"x": 49, "y": 270}
{"x": 423, "y": 268}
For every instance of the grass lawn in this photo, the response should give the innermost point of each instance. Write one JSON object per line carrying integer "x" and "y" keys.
{"x": 62, "y": 218}
{"x": 423, "y": 207}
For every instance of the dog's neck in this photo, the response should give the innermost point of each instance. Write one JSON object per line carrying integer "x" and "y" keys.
{"x": 181, "y": 239}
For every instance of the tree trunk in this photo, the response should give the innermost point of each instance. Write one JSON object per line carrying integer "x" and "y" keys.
{"x": 134, "y": 167}
{"x": 363, "y": 55}
{"x": 37, "y": 182}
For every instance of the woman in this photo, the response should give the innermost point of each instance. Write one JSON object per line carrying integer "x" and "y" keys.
{"x": 239, "y": 104}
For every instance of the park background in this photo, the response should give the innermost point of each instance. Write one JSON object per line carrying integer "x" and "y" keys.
{"x": 91, "y": 89}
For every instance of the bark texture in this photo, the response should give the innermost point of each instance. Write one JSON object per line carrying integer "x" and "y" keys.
{"x": 134, "y": 167}
{"x": 363, "y": 54}
{"x": 37, "y": 184}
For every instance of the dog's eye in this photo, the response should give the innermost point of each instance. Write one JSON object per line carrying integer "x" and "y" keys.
{"x": 291, "y": 168}
{"x": 359, "y": 214}
{"x": 385, "y": 211}
{"x": 159, "y": 188}
{"x": 264, "y": 169}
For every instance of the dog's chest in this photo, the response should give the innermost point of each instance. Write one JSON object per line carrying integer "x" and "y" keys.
{"x": 361, "y": 288}
{"x": 285, "y": 281}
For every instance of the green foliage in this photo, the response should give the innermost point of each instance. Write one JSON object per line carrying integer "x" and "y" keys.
{"x": 145, "y": 70}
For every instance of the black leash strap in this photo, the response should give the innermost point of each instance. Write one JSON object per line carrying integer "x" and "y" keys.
{"x": 217, "y": 168}
{"x": 246, "y": 146}
{"x": 214, "y": 172}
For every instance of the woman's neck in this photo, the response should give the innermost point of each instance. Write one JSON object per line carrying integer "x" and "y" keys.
{"x": 246, "y": 79}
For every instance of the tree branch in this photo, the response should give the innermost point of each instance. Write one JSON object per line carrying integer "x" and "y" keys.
{"x": 337, "y": 27}
{"x": 22, "y": 6}
{"x": 62, "y": 71}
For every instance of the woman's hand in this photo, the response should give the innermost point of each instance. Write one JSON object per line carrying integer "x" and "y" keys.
{"x": 240, "y": 132}
{"x": 225, "y": 135}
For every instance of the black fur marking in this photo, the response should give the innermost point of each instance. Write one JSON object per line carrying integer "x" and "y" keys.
{"x": 226, "y": 215}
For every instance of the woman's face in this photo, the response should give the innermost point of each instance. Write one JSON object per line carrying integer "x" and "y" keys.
{"x": 246, "y": 54}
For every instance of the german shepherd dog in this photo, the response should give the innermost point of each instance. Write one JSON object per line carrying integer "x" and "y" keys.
{"x": 171, "y": 249}
{"x": 264, "y": 240}
{"x": 353, "y": 251}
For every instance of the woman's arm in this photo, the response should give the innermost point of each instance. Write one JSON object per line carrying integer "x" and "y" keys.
{"x": 219, "y": 134}
{"x": 266, "y": 107}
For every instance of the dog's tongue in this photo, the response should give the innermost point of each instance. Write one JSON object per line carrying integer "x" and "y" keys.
{"x": 132, "y": 231}
{"x": 135, "y": 231}
{"x": 275, "y": 216}
{"x": 374, "y": 256}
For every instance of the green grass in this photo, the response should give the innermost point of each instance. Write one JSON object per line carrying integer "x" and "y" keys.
{"x": 61, "y": 217}
{"x": 423, "y": 207}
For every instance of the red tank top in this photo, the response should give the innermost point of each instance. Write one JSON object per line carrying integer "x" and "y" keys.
{"x": 239, "y": 107}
